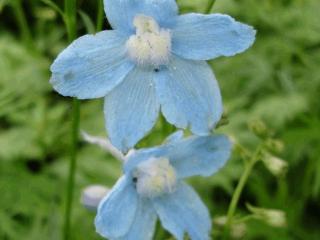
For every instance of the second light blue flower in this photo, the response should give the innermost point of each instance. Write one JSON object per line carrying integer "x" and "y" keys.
{"x": 152, "y": 186}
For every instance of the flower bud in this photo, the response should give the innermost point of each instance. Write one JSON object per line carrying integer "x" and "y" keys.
{"x": 92, "y": 195}
{"x": 237, "y": 231}
{"x": 277, "y": 166}
{"x": 275, "y": 145}
{"x": 272, "y": 217}
{"x": 259, "y": 128}
{"x": 220, "y": 221}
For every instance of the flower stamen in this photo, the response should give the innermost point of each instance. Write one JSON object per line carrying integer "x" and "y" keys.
{"x": 155, "y": 177}
{"x": 151, "y": 45}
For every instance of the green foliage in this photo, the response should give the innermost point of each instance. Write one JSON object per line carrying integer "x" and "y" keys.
{"x": 2, "y": 4}
{"x": 277, "y": 81}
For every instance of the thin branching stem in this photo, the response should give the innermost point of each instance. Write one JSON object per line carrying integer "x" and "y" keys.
{"x": 237, "y": 193}
{"x": 245, "y": 219}
{"x": 70, "y": 20}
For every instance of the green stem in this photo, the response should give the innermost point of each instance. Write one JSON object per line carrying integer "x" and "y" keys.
{"x": 100, "y": 16}
{"x": 210, "y": 6}
{"x": 237, "y": 193}
{"x": 72, "y": 166}
{"x": 22, "y": 22}
{"x": 70, "y": 18}
{"x": 245, "y": 219}
{"x": 70, "y": 21}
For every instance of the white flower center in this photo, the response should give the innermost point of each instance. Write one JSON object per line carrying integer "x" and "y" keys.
{"x": 151, "y": 45}
{"x": 155, "y": 177}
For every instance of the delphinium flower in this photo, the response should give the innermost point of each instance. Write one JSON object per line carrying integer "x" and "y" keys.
{"x": 152, "y": 59}
{"x": 152, "y": 186}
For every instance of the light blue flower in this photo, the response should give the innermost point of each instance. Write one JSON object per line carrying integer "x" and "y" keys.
{"x": 152, "y": 186}
{"x": 152, "y": 60}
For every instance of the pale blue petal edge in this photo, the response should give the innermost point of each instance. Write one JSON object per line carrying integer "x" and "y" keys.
{"x": 202, "y": 156}
{"x": 189, "y": 95}
{"x": 131, "y": 109}
{"x": 120, "y": 13}
{"x": 117, "y": 210}
{"x": 184, "y": 212}
{"x": 191, "y": 156}
{"x": 204, "y": 37}
{"x": 174, "y": 137}
{"x": 143, "y": 226}
{"x": 91, "y": 66}
{"x": 142, "y": 155}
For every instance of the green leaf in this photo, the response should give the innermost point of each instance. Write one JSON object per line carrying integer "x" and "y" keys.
{"x": 88, "y": 23}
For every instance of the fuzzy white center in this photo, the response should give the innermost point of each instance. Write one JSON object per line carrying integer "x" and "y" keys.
{"x": 151, "y": 45}
{"x": 155, "y": 177}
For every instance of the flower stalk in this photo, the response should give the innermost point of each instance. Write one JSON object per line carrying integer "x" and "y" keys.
{"x": 70, "y": 21}
{"x": 100, "y": 17}
{"x": 237, "y": 193}
{"x": 72, "y": 166}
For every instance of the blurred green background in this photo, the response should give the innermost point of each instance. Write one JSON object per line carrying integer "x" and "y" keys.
{"x": 276, "y": 81}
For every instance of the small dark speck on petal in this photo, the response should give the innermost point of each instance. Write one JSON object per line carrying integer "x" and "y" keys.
{"x": 156, "y": 70}
{"x": 68, "y": 76}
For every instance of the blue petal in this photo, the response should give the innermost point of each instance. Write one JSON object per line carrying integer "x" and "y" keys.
{"x": 143, "y": 226}
{"x": 121, "y": 13}
{"x": 91, "y": 66}
{"x": 174, "y": 137}
{"x": 191, "y": 156}
{"x": 183, "y": 211}
{"x": 131, "y": 109}
{"x": 117, "y": 210}
{"x": 198, "y": 155}
{"x": 203, "y": 37}
{"x": 189, "y": 95}
{"x": 142, "y": 155}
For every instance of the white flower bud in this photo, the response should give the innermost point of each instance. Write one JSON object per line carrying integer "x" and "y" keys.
{"x": 238, "y": 231}
{"x": 220, "y": 221}
{"x": 275, "y": 165}
{"x": 273, "y": 217}
{"x": 92, "y": 195}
